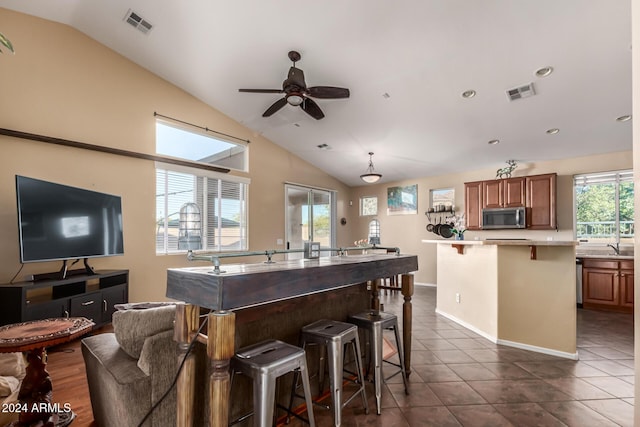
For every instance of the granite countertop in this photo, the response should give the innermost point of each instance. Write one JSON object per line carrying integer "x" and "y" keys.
{"x": 505, "y": 242}
{"x": 605, "y": 256}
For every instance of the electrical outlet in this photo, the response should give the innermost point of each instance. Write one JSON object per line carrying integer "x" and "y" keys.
{"x": 458, "y": 298}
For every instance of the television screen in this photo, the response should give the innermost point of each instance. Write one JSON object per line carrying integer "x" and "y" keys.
{"x": 58, "y": 222}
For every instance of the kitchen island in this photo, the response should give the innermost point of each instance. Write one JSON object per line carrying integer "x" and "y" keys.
{"x": 519, "y": 293}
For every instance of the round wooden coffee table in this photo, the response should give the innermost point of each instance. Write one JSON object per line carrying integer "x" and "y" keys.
{"x": 35, "y": 406}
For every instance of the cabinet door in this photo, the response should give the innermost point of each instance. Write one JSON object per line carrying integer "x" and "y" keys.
{"x": 514, "y": 191}
{"x": 46, "y": 310}
{"x": 110, "y": 297}
{"x": 626, "y": 288}
{"x": 541, "y": 201}
{"x": 88, "y": 305}
{"x": 600, "y": 287}
{"x": 492, "y": 193}
{"x": 473, "y": 205}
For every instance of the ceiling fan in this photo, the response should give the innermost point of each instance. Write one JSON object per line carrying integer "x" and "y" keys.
{"x": 297, "y": 93}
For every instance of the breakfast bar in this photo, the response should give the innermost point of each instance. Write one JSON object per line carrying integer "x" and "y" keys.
{"x": 519, "y": 293}
{"x": 261, "y": 292}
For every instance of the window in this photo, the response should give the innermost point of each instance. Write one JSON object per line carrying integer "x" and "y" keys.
{"x": 175, "y": 141}
{"x": 368, "y": 205}
{"x": 223, "y": 206}
{"x": 604, "y": 210}
{"x": 443, "y": 197}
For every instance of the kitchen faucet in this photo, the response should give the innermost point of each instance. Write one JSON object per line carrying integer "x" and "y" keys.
{"x": 615, "y": 248}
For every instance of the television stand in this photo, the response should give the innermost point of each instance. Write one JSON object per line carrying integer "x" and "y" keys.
{"x": 64, "y": 272}
{"x": 78, "y": 295}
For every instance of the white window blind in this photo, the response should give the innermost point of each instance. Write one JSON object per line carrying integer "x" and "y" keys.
{"x": 223, "y": 207}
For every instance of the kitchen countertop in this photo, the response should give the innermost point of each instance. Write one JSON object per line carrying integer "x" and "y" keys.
{"x": 505, "y": 242}
{"x": 606, "y": 256}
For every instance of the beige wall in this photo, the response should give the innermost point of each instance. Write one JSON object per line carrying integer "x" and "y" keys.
{"x": 635, "y": 41}
{"x": 63, "y": 84}
{"x": 406, "y": 231}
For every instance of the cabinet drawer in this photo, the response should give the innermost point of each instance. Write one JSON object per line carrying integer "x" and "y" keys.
{"x": 87, "y": 305}
{"x": 599, "y": 263}
{"x": 626, "y": 265}
{"x": 46, "y": 310}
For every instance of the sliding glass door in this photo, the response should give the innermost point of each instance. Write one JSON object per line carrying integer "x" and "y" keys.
{"x": 309, "y": 217}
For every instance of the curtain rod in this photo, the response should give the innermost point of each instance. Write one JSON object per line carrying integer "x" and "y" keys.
{"x": 204, "y": 128}
{"x": 110, "y": 150}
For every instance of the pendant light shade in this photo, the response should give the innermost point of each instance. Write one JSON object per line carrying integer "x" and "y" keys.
{"x": 370, "y": 176}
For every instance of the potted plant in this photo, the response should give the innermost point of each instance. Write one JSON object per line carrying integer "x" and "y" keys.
{"x": 6, "y": 43}
{"x": 458, "y": 227}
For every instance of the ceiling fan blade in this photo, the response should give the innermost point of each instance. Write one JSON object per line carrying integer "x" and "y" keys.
{"x": 312, "y": 109}
{"x": 328, "y": 92}
{"x": 275, "y": 107}
{"x": 261, "y": 90}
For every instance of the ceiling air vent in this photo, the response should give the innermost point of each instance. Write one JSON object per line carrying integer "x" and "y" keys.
{"x": 137, "y": 22}
{"x": 521, "y": 92}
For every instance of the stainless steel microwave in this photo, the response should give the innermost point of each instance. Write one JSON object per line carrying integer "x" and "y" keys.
{"x": 497, "y": 218}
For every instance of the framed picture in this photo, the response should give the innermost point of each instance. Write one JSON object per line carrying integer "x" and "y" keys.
{"x": 402, "y": 200}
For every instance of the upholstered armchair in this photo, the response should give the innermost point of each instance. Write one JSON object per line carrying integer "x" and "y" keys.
{"x": 12, "y": 371}
{"x": 129, "y": 370}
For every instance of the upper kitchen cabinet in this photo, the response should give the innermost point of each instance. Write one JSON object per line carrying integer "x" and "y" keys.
{"x": 541, "y": 201}
{"x": 473, "y": 205}
{"x": 537, "y": 193}
{"x": 503, "y": 193}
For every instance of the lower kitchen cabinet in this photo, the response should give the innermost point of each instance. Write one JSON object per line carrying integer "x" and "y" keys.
{"x": 607, "y": 284}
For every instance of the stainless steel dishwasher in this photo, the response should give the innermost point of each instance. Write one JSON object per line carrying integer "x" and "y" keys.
{"x": 579, "y": 282}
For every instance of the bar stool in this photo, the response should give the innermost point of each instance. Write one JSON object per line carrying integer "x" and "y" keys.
{"x": 334, "y": 336}
{"x": 375, "y": 322}
{"x": 264, "y": 363}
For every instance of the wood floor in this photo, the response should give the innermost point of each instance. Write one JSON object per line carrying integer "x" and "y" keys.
{"x": 66, "y": 368}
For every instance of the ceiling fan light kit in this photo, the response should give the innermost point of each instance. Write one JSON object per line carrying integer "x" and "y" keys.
{"x": 297, "y": 93}
{"x": 370, "y": 176}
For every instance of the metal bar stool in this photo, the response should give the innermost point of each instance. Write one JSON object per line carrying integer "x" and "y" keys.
{"x": 375, "y": 323}
{"x": 334, "y": 336}
{"x": 264, "y": 363}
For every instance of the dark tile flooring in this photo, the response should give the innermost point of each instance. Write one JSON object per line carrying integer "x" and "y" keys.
{"x": 459, "y": 378}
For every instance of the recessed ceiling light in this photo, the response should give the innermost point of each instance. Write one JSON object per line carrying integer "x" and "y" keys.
{"x": 624, "y": 118}
{"x": 544, "y": 71}
{"x": 553, "y": 131}
{"x": 494, "y": 142}
{"x": 469, "y": 93}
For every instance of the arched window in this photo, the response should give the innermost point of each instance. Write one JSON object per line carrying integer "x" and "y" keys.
{"x": 374, "y": 232}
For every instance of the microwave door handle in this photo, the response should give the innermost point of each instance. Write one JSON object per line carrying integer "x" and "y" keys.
{"x": 518, "y": 216}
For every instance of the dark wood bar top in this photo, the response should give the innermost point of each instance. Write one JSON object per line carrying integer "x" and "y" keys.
{"x": 246, "y": 285}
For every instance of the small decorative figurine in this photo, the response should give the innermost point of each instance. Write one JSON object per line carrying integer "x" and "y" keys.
{"x": 505, "y": 172}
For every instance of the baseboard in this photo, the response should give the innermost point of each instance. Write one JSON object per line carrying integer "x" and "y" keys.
{"x": 522, "y": 346}
{"x": 430, "y": 285}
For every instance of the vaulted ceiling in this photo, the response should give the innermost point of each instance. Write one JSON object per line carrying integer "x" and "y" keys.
{"x": 406, "y": 64}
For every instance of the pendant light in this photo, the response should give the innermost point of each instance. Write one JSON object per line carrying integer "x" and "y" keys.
{"x": 370, "y": 176}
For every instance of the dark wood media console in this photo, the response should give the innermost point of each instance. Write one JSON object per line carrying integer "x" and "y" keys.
{"x": 78, "y": 295}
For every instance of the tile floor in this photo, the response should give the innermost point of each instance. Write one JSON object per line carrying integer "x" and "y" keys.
{"x": 461, "y": 379}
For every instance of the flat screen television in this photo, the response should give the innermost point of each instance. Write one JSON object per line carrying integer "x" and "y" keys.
{"x": 59, "y": 222}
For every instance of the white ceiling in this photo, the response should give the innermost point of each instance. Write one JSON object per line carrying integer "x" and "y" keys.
{"x": 423, "y": 53}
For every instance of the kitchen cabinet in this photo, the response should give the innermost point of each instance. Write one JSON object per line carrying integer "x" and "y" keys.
{"x": 503, "y": 193}
{"x": 537, "y": 193}
{"x": 607, "y": 284}
{"x": 541, "y": 201}
{"x": 473, "y": 205}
